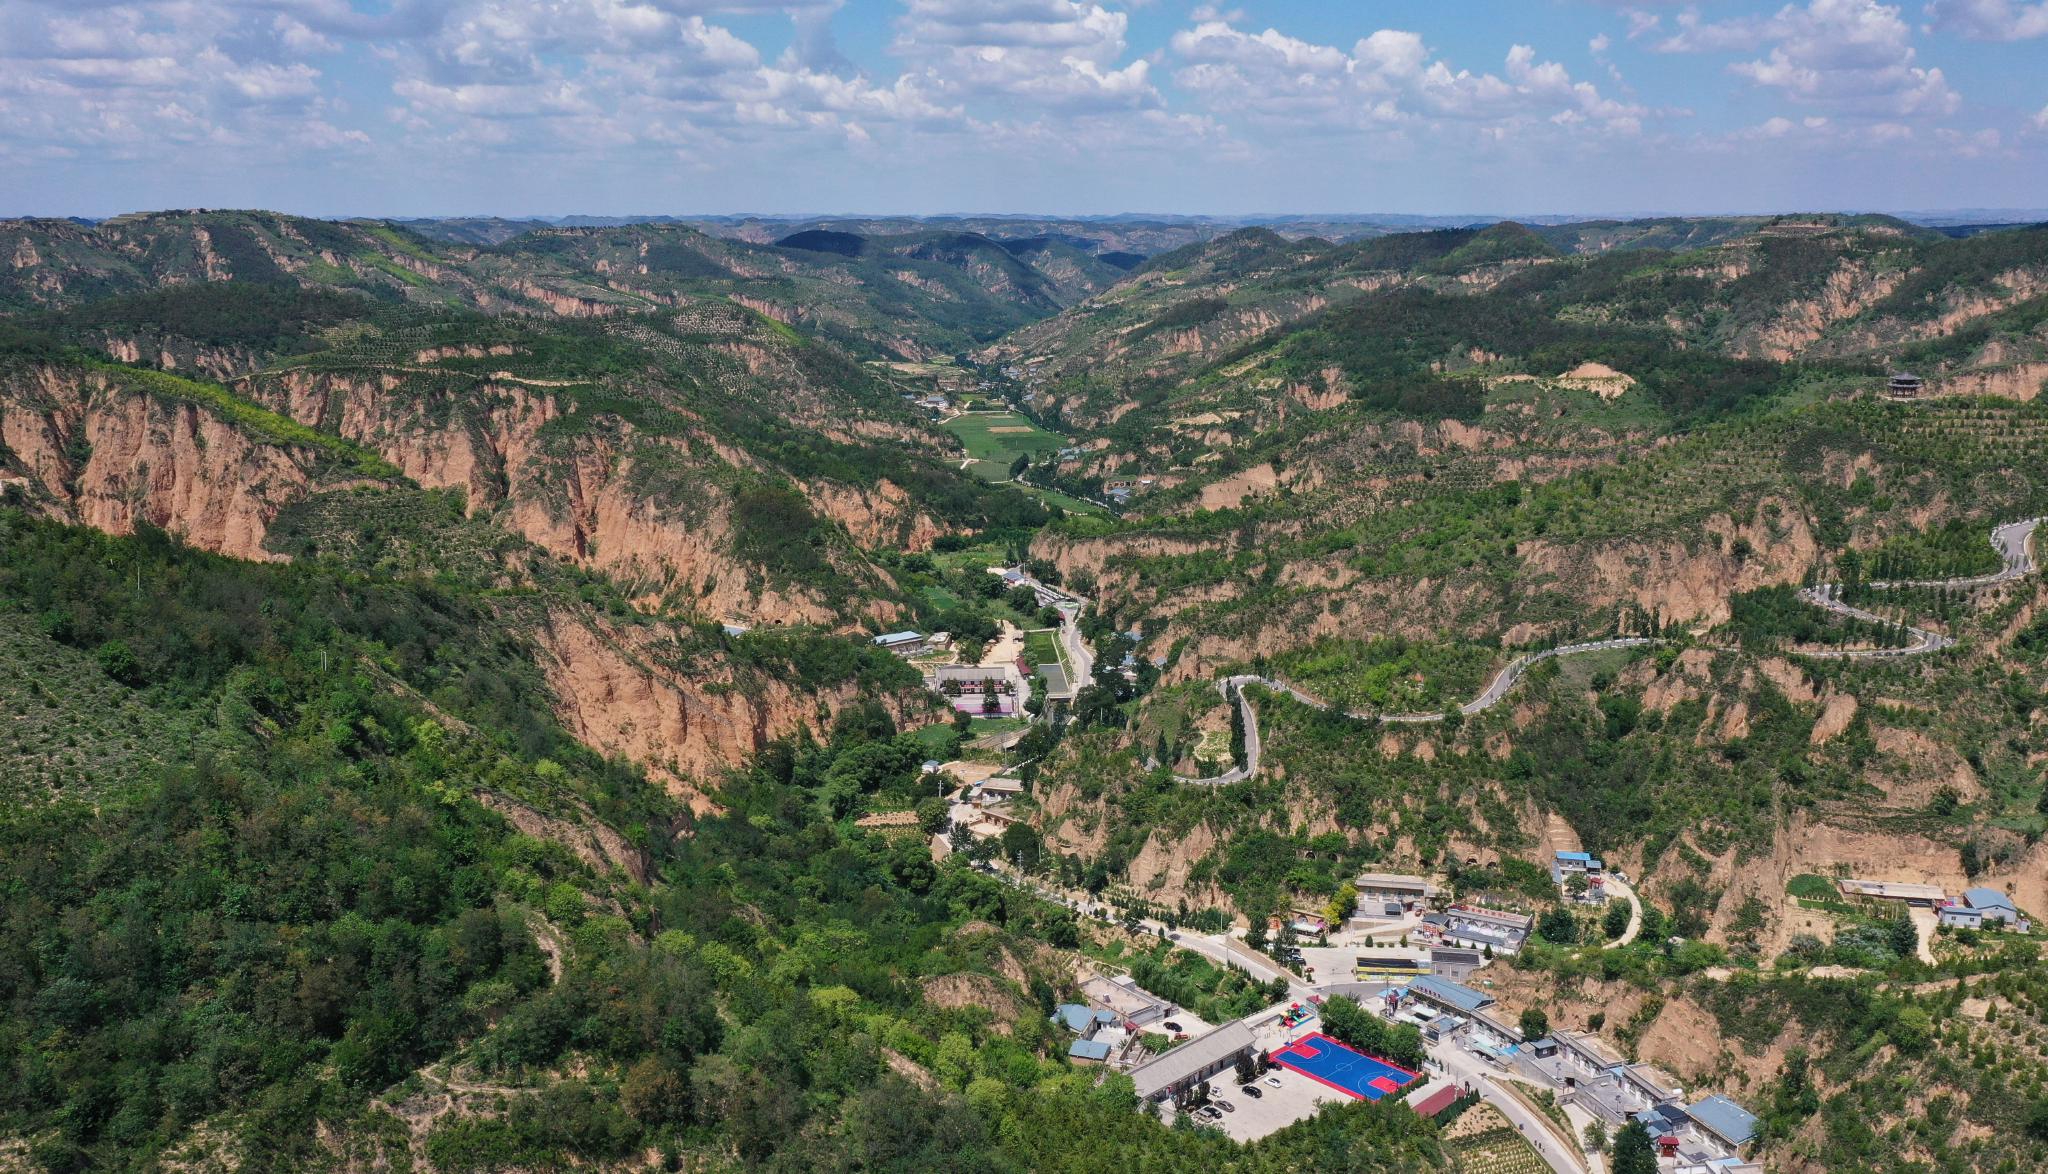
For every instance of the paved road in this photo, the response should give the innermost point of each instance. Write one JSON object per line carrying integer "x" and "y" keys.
{"x": 2014, "y": 542}
{"x": 1507, "y": 677}
{"x": 1824, "y": 596}
{"x": 1495, "y": 690}
{"x": 1222, "y": 949}
{"x": 1464, "y": 1067}
{"x": 1250, "y": 765}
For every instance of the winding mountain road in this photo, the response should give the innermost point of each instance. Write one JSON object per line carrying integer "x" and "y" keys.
{"x": 2014, "y": 542}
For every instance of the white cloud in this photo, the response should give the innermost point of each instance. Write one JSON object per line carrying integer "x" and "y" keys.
{"x": 145, "y": 78}
{"x": 1854, "y": 55}
{"x": 1057, "y": 54}
{"x": 1386, "y": 79}
{"x": 1970, "y": 144}
{"x": 1990, "y": 20}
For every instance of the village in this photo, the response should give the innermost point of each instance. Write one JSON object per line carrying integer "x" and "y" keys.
{"x": 1019, "y": 672}
{"x": 1414, "y": 957}
{"x": 1409, "y": 957}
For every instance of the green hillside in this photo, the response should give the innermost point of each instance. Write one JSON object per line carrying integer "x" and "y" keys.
{"x": 531, "y": 793}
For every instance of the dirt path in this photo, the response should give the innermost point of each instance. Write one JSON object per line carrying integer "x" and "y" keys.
{"x": 1635, "y": 911}
{"x": 1008, "y": 646}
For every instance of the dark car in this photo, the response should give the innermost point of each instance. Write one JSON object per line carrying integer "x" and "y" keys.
{"x": 1252, "y": 1091}
{"x": 1226, "y": 1106}
{"x": 1170, "y": 1025}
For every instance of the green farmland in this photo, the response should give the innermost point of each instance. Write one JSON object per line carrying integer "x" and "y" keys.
{"x": 996, "y": 439}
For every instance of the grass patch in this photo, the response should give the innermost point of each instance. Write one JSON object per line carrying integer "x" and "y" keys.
{"x": 937, "y": 738}
{"x": 1065, "y": 501}
{"x": 996, "y": 725}
{"x": 779, "y": 328}
{"x": 392, "y": 267}
{"x": 1809, "y": 887}
{"x": 1042, "y": 646}
{"x": 1389, "y": 675}
{"x": 400, "y": 241}
{"x": 270, "y": 425}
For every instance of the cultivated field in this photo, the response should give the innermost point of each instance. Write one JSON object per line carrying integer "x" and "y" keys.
{"x": 1482, "y": 1142}
{"x": 996, "y": 439}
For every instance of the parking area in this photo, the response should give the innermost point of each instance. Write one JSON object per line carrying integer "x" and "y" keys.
{"x": 1332, "y": 963}
{"x": 1284, "y": 1098}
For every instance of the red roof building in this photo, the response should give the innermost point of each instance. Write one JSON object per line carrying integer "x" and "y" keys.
{"x": 1438, "y": 1101}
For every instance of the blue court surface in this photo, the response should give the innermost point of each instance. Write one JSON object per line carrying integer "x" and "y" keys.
{"x": 1345, "y": 1069}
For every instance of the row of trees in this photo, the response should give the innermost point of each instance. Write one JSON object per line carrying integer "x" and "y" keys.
{"x": 1349, "y": 1022}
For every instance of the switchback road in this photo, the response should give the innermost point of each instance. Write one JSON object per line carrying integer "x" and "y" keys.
{"x": 2014, "y": 542}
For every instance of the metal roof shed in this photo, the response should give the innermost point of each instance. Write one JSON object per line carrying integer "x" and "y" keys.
{"x": 1193, "y": 1061}
{"x": 1444, "y": 992}
{"x": 1724, "y": 1119}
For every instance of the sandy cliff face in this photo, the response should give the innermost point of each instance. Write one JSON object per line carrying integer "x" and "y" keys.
{"x": 1678, "y": 583}
{"x": 1850, "y": 290}
{"x": 614, "y": 694}
{"x": 110, "y": 458}
{"x": 479, "y": 445}
{"x": 2021, "y": 381}
{"x": 652, "y": 511}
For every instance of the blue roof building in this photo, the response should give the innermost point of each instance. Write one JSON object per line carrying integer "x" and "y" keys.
{"x": 1991, "y": 903}
{"x": 1565, "y": 862}
{"x": 1449, "y": 995}
{"x": 1080, "y": 1020}
{"x": 1088, "y": 1049}
{"x": 1661, "y": 1120}
{"x": 1724, "y": 1119}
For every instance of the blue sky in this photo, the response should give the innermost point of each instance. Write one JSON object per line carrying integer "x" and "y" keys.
{"x": 425, "y": 107}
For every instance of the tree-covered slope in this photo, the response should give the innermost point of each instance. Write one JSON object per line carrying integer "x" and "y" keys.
{"x": 372, "y": 905}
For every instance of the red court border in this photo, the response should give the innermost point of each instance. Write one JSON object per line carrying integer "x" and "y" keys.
{"x": 1319, "y": 1038}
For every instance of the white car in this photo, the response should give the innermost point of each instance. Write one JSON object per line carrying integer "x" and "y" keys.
{"x": 1274, "y": 1081}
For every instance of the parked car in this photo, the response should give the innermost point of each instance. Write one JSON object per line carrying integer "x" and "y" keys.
{"x": 1170, "y": 1025}
{"x": 1252, "y": 1091}
{"x": 1226, "y": 1106}
{"x": 1274, "y": 1081}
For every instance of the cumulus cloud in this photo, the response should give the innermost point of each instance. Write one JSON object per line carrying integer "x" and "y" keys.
{"x": 1854, "y": 55}
{"x": 1059, "y": 54}
{"x": 131, "y": 80}
{"x": 1386, "y": 79}
{"x": 1990, "y": 20}
{"x": 479, "y": 87}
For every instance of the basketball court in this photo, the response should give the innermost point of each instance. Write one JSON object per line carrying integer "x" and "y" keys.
{"x": 1343, "y": 1068}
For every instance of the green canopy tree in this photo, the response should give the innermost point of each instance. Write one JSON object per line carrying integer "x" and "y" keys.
{"x": 1633, "y": 1153}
